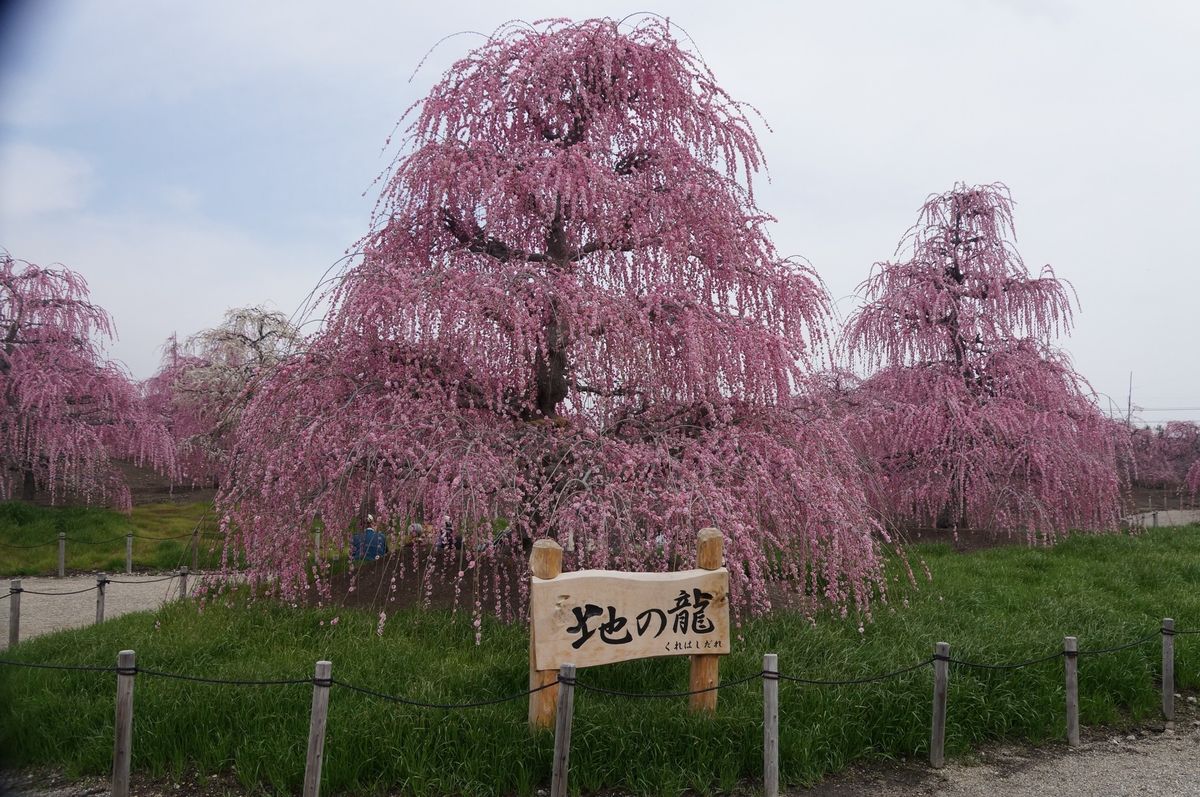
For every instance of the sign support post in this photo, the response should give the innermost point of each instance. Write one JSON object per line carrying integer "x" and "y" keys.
{"x": 710, "y": 551}
{"x": 545, "y": 562}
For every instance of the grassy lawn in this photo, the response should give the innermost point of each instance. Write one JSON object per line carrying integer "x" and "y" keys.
{"x": 998, "y": 605}
{"x": 96, "y": 537}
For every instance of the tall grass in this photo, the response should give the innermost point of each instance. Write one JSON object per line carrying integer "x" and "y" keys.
{"x": 96, "y": 537}
{"x": 999, "y": 605}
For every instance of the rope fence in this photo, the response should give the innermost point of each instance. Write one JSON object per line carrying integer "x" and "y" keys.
{"x": 15, "y": 592}
{"x": 566, "y": 682}
{"x": 195, "y": 536}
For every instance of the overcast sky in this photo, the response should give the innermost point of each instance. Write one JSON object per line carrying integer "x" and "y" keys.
{"x": 190, "y": 157}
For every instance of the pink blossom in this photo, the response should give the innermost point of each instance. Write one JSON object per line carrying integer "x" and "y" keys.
{"x": 568, "y": 315}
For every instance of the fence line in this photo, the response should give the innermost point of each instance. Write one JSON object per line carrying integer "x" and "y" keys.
{"x": 61, "y": 541}
{"x": 15, "y": 592}
{"x": 323, "y": 682}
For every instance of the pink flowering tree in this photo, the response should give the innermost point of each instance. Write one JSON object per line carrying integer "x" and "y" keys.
{"x": 203, "y": 385}
{"x": 970, "y": 418}
{"x": 1166, "y": 456}
{"x": 569, "y": 318}
{"x": 67, "y": 412}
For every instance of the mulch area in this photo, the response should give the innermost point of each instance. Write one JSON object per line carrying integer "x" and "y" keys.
{"x": 419, "y": 575}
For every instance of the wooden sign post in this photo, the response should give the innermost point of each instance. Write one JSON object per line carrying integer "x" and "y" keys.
{"x": 594, "y": 617}
{"x": 545, "y": 562}
{"x": 704, "y": 674}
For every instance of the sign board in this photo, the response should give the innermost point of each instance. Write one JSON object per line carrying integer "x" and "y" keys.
{"x": 593, "y": 617}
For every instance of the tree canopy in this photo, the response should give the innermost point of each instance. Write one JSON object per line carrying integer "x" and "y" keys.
{"x": 67, "y": 411}
{"x": 568, "y": 318}
{"x": 971, "y": 418}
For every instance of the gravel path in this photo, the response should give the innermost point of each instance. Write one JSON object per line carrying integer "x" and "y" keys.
{"x": 43, "y": 614}
{"x": 1148, "y": 761}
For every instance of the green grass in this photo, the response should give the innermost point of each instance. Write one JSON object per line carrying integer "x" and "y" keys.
{"x": 96, "y": 537}
{"x": 999, "y": 605}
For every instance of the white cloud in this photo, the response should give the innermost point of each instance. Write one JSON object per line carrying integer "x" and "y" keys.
{"x": 157, "y": 274}
{"x": 38, "y": 180}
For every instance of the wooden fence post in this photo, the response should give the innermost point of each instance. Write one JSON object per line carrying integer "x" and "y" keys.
{"x": 123, "y": 736}
{"x": 562, "y": 730}
{"x": 1168, "y": 669}
{"x": 705, "y": 673}
{"x": 62, "y": 554}
{"x": 183, "y": 585}
{"x": 196, "y": 549}
{"x": 770, "y": 725}
{"x": 1071, "y": 660}
{"x": 316, "y": 728}
{"x": 544, "y": 562}
{"x": 317, "y": 545}
{"x": 129, "y": 553}
{"x": 941, "y": 678}
{"x": 101, "y": 580}
{"x": 14, "y": 613}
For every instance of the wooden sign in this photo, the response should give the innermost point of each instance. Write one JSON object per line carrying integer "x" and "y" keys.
{"x": 601, "y": 616}
{"x": 593, "y": 617}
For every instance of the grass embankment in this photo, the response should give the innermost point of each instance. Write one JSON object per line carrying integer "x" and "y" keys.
{"x": 999, "y": 605}
{"x": 96, "y": 537}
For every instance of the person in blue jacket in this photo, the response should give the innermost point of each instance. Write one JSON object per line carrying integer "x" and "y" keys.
{"x": 369, "y": 544}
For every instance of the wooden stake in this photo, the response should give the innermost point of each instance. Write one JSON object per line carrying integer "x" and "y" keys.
{"x": 1071, "y": 660}
{"x": 704, "y": 671}
{"x": 123, "y": 736}
{"x": 941, "y": 680}
{"x": 14, "y": 613}
{"x": 1168, "y": 669}
{"x": 101, "y": 580}
{"x": 316, "y": 729}
{"x": 62, "y": 554}
{"x": 770, "y": 725}
{"x": 562, "y": 730}
{"x": 183, "y": 585}
{"x": 544, "y": 562}
{"x": 196, "y": 549}
{"x": 129, "y": 553}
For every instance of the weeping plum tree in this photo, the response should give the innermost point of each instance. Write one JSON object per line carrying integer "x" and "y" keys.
{"x": 67, "y": 412}
{"x": 569, "y": 318}
{"x": 1165, "y": 456}
{"x": 202, "y": 386}
{"x": 971, "y": 418}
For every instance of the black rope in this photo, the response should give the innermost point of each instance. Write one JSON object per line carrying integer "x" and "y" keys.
{"x": 420, "y": 704}
{"x": 865, "y": 680}
{"x": 617, "y": 693}
{"x": 10, "y": 593}
{"x": 79, "y": 667}
{"x": 1015, "y": 666}
{"x": 1126, "y": 646}
{"x": 1177, "y": 631}
{"x": 224, "y": 681}
{"x": 95, "y": 542}
{"x": 72, "y": 592}
{"x": 35, "y": 545}
{"x": 151, "y": 581}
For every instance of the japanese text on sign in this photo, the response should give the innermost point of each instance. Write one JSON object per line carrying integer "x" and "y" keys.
{"x": 599, "y": 616}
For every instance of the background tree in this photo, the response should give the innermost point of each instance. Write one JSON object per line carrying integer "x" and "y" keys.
{"x": 67, "y": 412}
{"x": 202, "y": 386}
{"x": 1164, "y": 456}
{"x": 570, "y": 317}
{"x": 971, "y": 418}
